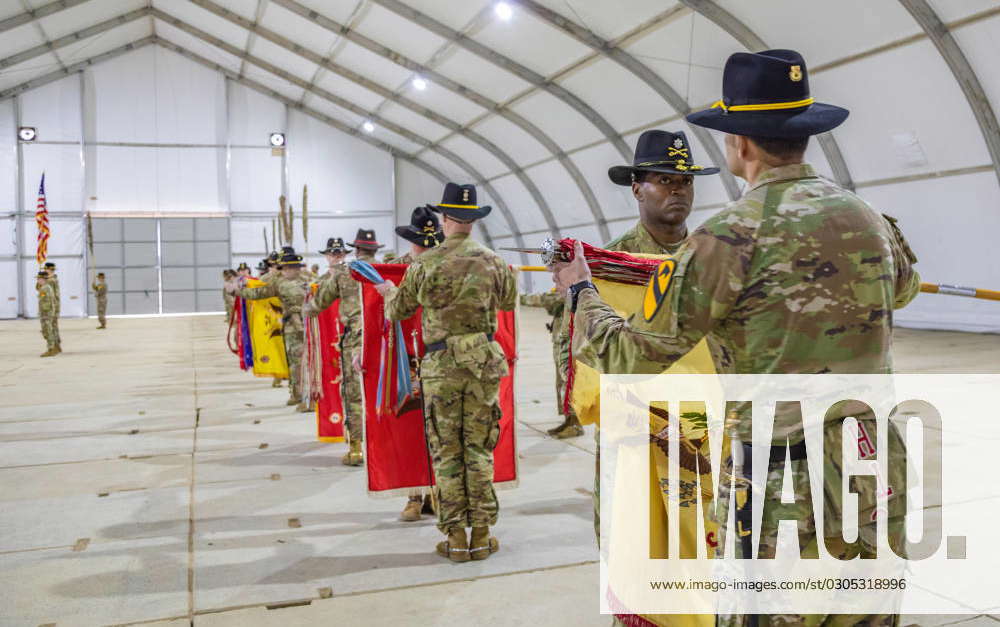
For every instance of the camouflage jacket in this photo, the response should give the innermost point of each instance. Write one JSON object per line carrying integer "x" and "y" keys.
{"x": 638, "y": 240}
{"x": 292, "y": 293}
{"x": 797, "y": 276}
{"x": 460, "y": 284}
{"x": 408, "y": 257}
{"x": 54, "y": 282}
{"x": 338, "y": 284}
{"x": 100, "y": 290}
{"x": 47, "y": 301}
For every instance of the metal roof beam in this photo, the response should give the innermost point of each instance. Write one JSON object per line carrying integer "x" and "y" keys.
{"x": 474, "y": 96}
{"x": 512, "y": 66}
{"x": 62, "y": 72}
{"x": 65, "y": 40}
{"x": 233, "y": 50}
{"x": 960, "y": 68}
{"x": 383, "y": 91}
{"x": 30, "y": 16}
{"x": 643, "y": 73}
{"x": 751, "y": 41}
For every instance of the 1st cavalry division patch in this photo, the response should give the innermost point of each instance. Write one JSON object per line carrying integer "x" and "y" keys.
{"x": 656, "y": 289}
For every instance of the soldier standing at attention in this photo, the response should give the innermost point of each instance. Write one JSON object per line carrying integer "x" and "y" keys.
{"x": 799, "y": 276}
{"x": 338, "y": 284}
{"x": 101, "y": 296}
{"x": 424, "y": 233}
{"x": 53, "y": 282}
{"x": 47, "y": 313}
{"x": 555, "y": 305}
{"x": 461, "y": 285}
{"x": 291, "y": 288}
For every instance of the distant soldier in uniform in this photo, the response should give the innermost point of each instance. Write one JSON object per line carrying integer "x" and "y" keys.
{"x": 291, "y": 288}
{"x": 555, "y": 305}
{"x": 390, "y": 257}
{"x": 424, "y": 233}
{"x": 53, "y": 281}
{"x": 460, "y": 285}
{"x": 101, "y": 297}
{"x": 338, "y": 284}
{"x": 797, "y": 276}
{"x": 243, "y": 270}
{"x": 314, "y": 269}
{"x": 47, "y": 313}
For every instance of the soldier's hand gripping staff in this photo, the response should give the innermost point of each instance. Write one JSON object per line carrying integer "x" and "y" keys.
{"x": 461, "y": 285}
{"x": 291, "y": 289}
{"x": 797, "y": 276}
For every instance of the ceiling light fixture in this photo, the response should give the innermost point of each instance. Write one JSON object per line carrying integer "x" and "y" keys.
{"x": 503, "y": 11}
{"x": 419, "y": 83}
{"x": 368, "y": 126}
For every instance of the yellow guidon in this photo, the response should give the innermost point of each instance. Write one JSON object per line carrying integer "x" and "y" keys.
{"x": 656, "y": 289}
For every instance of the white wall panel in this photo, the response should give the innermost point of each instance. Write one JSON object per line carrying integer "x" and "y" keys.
{"x": 8, "y": 157}
{"x": 343, "y": 173}
{"x": 141, "y": 179}
{"x": 564, "y": 197}
{"x": 950, "y": 224}
{"x": 253, "y": 116}
{"x": 568, "y": 128}
{"x": 475, "y": 155}
{"x": 522, "y": 146}
{"x": 255, "y": 178}
{"x": 155, "y": 95}
{"x": 603, "y": 83}
{"x": 8, "y": 282}
{"x": 63, "y": 176}
{"x": 54, "y": 110}
{"x": 910, "y": 108}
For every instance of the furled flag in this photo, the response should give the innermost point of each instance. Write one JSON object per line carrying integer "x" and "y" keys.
{"x": 42, "y": 220}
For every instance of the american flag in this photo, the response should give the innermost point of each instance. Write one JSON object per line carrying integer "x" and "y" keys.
{"x": 42, "y": 220}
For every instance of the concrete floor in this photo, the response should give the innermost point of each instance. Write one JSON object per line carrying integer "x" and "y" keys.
{"x": 145, "y": 479}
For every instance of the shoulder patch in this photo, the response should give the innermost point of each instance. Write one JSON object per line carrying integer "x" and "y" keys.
{"x": 656, "y": 289}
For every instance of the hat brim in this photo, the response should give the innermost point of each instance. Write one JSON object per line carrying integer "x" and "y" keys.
{"x": 372, "y": 246}
{"x": 812, "y": 120}
{"x": 334, "y": 251}
{"x": 464, "y": 214}
{"x": 414, "y": 236}
{"x": 622, "y": 174}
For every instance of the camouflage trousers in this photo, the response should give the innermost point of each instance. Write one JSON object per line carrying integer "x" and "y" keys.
{"x": 50, "y": 331}
{"x": 463, "y": 427}
{"x": 350, "y": 387}
{"x": 102, "y": 310}
{"x": 294, "y": 342}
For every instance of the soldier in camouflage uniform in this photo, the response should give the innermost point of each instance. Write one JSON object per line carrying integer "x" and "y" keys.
{"x": 53, "y": 281}
{"x": 555, "y": 306}
{"x": 101, "y": 297}
{"x": 291, "y": 288}
{"x": 424, "y": 233}
{"x": 797, "y": 276}
{"x": 460, "y": 285}
{"x": 267, "y": 270}
{"x": 338, "y": 284}
{"x": 47, "y": 313}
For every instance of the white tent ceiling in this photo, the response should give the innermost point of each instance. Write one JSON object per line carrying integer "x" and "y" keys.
{"x": 535, "y": 108}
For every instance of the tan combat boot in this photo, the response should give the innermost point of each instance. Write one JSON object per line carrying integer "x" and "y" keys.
{"x": 559, "y": 427}
{"x": 456, "y": 547}
{"x": 570, "y": 429}
{"x": 293, "y": 401}
{"x": 483, "y": 544}
{"x": 276, "y": 382}
{"x": 49, "y": 353}
{"x": 411, "y": 513}
{"x": 354, "y": 457}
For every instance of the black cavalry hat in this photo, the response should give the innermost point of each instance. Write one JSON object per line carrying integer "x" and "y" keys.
{"x": 365, "y": 239}
{"x": 334, "y": 245}
{"x": 243, "y": 266}
{"x": 459, "y": 202}
{"x": 767, "y": 94}
{"x": 659, "y": 151}
{"x": 289, "y": 259}
{"x": 49, "y": 264}
{"x": 424, "y": 228}
{"x": 264, "y": 264}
